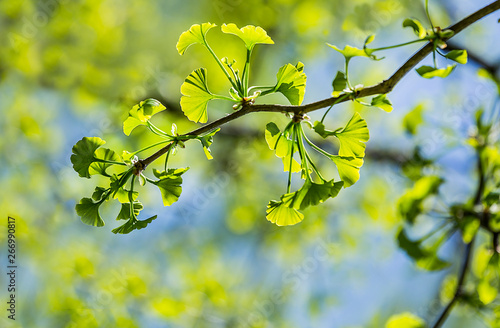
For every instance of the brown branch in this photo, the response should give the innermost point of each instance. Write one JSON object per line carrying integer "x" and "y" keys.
{"x": 385, "y": 86}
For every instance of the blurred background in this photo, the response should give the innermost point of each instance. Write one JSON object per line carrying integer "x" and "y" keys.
{"x": 70, "y": 69}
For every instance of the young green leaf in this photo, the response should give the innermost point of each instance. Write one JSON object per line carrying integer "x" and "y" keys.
{"x": 413, "y": 119}
{"x": 291, "y": 82}
{"x": 100, "y": 167}
{"x": 125, "y": 210}
{"x": 353, "y": 137}
{"x": 320, "y": 129}
{"x": 141, "y": 113}
{"x": 405, "y": 320}
{"x": 410, "y": 205}
{"x": 311, "y": 194}
{"x": 99, "y": 193}
{"x": 348, "y": 168}
{"x": 206, "y": 140}
{"x": 196, "y": 34}
{"x": 169, "y": 184}
{"x": 339, "y": 84}
{"x": 382, "y": 102}
{"x": 417, "y": 27}
{"x": 195, "y": 96}
{"x": 88, "y": 210}
{"x": 348, "y": 52}
{"x": 425, "y": 258}
{"x": 281, "y": 214}
{"x": 250, "y": 34}
{"x": 282, "y": 145}
{"x": 460, "y": 56}
{"x": 132, "y": 225}
{"x": 469, "y": 226}
{"x": 84, "y": 155}
{"x": 429, "y": 72}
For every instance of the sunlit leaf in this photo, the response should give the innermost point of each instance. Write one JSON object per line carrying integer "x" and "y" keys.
{"x": 83, "y": 154}
{"x": 250, "y": 34}
{"x": 348, "y": 168}
{"x": 469, "y": 226}
{"x": 105, "y": 154}
{"x": 417, "y": 27}
{"x": 339, "y": 84}
{"x": 353, "y": 137}
{"x": 195, "y": 96}
{"x": 132, "y": 225}
{"x": 206, "y": 140}
{"x": 119, "y": 192}
{"x": 410, "y": 204}
{"x": 413, "y": 119}
{"x": 281, "y": 214}
{"x": 291, "y": 82}
{"x": 429, "y": 72}
{"x": 124, "y": 213}
{"x": 88, "y": 210}
{"x": 460, "y": 56}
{"x": 311, "y": 194}
{"x": 169, "y": 183}
{"x": 382, "y": 102}
{"x": 195, "y": 34}
{"x": 405, "y": 320}
{"x": 141, "y": 113}
{"x": 282, "y": 145}
{"x": 486, "y": 292}
{"x": 425, "y": 258}
{"x": 350, "y": 51}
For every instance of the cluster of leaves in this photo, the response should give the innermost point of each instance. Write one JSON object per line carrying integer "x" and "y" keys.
{"x": 89, "y": 159}
{"x": 480, "y": 213}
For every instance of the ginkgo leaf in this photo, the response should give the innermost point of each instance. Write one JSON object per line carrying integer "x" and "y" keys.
{"x": 141, "y": 113}
{"x": 250, "y": 34}
{"x": 88, "y": 210}
{"x": 413, "y": 119}
{"x": 425, "y": 258}
{"x": 84, "y": 154}
{"x": 281, "y": 214}
{"x": 196, "y": 96}
{"x": 353, "y": 137}
{"x": 320, "y": 129}
{"x": 124, "y": 213}
{"x": 133, "y": 224}
{"x": 120, "y": 193}
{"x": 206, "y": 140}
{"x": 195, "y": 34}
{"x": 282, "y": 145}
{"x": 410, "y": 204}
{"x": 169, "y": 184}
{"x": 311, "y": 194}
{"x": 348, "y": 168}
{"x": 105, "y": 154}
{"x": 382, "y": 102}
{"x": 460, "y": 56}
{"x": 291, "y": 82}
{"x": 339, "y": 83}
{"x": 417, "y": 27}
{"x": 405, "y": 320}
{"x": 429, "y": 72}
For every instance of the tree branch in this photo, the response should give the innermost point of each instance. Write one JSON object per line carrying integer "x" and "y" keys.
{"x": 385, "y": 86}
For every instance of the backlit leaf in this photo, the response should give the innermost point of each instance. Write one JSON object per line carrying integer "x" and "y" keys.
{"x": 291, "y": 82}
{"x": 124, "y": 213}
{"x": 141, "y": 113}
{"x": 382, "y": 102}
{"x": 206, "y": 140}
{"x": 460, "y": 56}
{"x": 311, "y": 194}
{"x": 195, "y": 34}
{"x": 339, "y": 84}
{"x": 169, "y": 184}
{"x": 429, "y": 72}
{"x": 348, "y": 168}
{"x": 410, "y": 204}
{"x": 405, "y": 320}
{"x": 88, "y": 210}
{"x": 195, "y": 96}
{"x": 250, "y": 34}
{"x": 281, "y": 214}
{"x": 413, "y": 119}
{"x": 425, "y": 258}
{"x": 353, "y": 137}
{"x": 132, "y": 225}
{"x": 282, "y": 145}
{"x": 417, "y": 27}
{"x": 105, "y": 154}
{"x": 83, "y": 154}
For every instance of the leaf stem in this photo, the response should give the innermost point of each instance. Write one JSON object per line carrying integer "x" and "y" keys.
{"x": 220, "y": 64}
{"x": 398, "y": 45}
{"x": 339, "y": 99}
{"x": 246, "y": 73}
{"x": 289, "y": 184}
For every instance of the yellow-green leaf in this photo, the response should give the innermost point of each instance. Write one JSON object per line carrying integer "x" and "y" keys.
{"x": 348, "y": 168}
{"x": 195, "y": 96}
{"x": 382, "y": 102}
{"x": 429, "y": 72}
{"x": 353, "y": 137}
{"x": 250, "y": 34}
{"x": 141, "y": 113}
{"x": 196, "y": 34}
{"x": 405, "y": 320}
{"x": 291, "y": 82}
{"x": 281, "y": 214}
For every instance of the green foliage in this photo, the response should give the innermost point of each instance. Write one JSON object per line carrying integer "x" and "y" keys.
{"x": 169, "y": 184}
{"x": 84, "y": 155}
{"x": 250, "y": 34}
{"x": 195, "y": 96}
{"x": 410, "y": 205}
{"x": 417, "y": 27}
{"x": 195, "y": 35}
{"x": 425, "y": 257}
{"x": 413, "y": 119}
{"x": 429, "y": 72}
{"x": 88, "y": 210}
{"x": 382, "y": 102}
{"x": 405, "y": 320}
{"x": 291, "y": 82}
{"x": 141, "y": 113}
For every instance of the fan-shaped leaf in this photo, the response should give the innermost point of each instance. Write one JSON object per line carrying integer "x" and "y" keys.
{"x": 429, "y": 72}
{"x": 141, "y": 113}
{"x": 83, "y": 154}
{"x": 281, "y": 214}
{"x": 195, "y": 34}
{"x": 353, "y": 137}
{"x": 88, "y": 210}
{"x": 169, "y": 184}
{"x": 417, "y": 27}
{"x": 196, "y": 96}
{"x": 291, "y": 82}
{"x": 250, "y": 34}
